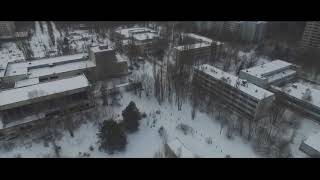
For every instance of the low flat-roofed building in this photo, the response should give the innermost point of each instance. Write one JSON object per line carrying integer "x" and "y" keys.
{"x": 301, "y": 97}
{"x": 48, "y": 68}
{"x": 241, "y": 96}
{"x": 176, "y": 149}
{"x": 311, "y": 146}
{"x": 273, "y": 73}
{"x": 28, "y": 104}
{"x": 33, "y": 93}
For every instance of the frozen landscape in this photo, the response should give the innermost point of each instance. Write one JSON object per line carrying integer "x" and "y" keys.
{"x": 207, "y": 135}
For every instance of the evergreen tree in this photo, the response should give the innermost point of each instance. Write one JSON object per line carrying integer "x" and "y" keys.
{"x": 131, "y": 117}
{"x": 111, "y": 137}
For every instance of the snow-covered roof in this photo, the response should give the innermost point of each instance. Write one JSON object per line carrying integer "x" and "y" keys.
{"x": 202, "y": 38}
{"x": 140, "y": 34}
{"x": 180, "y": 149}
{"x": 204, "y": 42}
{"x": 314, "y": 141}
{"x": 249, "y": 88}
{"x": 268, "y": 69}
{"x": 26, "y": 82}
{"x": 198, "y": 37}
{"x": 192, "y": 46}
{"x": 145, "y": 36}
{"x": 10, "y": 97}
{"x": 42, "y": 67}
{"x": 127, "y": 31}
{"x": 45, "y": 71}
{"x": 298, "y": 90}
{"x": 102, "y": 48}
{"x": 281, "y": 75}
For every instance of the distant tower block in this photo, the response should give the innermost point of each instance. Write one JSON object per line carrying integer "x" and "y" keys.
{"x": 311, "y": 35}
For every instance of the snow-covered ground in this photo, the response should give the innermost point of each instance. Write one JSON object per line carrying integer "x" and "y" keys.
{"x": 146, "y": 141}
{"x": 41, "y": 45}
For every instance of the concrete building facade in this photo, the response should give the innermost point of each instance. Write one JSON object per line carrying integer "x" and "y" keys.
{"x": 203, "y": 50}
{"x": 27, "y": 107}
{"x": 7, "y": 29}
{"x": 311, "y": 35}
{"x": 41, "y": 90}
{"x": 141, "y": 37}
{"x": 240, "y": 96}
{"x": 107, "y": 64}
{"x": 252, "y": 31}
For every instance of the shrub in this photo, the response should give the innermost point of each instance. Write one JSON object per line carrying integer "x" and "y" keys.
{"x": 186, "y": 129}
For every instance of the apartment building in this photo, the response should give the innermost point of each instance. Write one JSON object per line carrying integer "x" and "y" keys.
{"x": 239, "y": 95}
{"x": 7, "y": 29}
{"x": 311, "y": 35}
{"x": 275, "y": 72}
{"x": 252, "y": 31}
{"x": 142, "y": 37}
{"x": 202, "y": 50}
{"x": 32, "y": 106}
{"x": 41, "y": 90}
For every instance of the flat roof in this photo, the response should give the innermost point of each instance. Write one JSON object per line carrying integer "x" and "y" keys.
{"x": 196, "y": 36}
{"x": 139, "y": 33}
{"x": 192, "y": 46}
{"x": 250, "y": 89}
{"x": 281, "y": 75}
{"x": 42, "y": 67}
{"x": 264, "y": 69}
{"x": 298, "y": 90}
{"x": 125, "y": 31}
{"x": 45, "y": 71}
{"x": 314, "y": 141}
{"x": 180, "y": 149}
{"x": 26, "y": 82}
{"x": 145, "y": 36}
{"x": 12, "y": 96}
{"x": 202, "y": 38}
{"x": 99, "y": 49}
